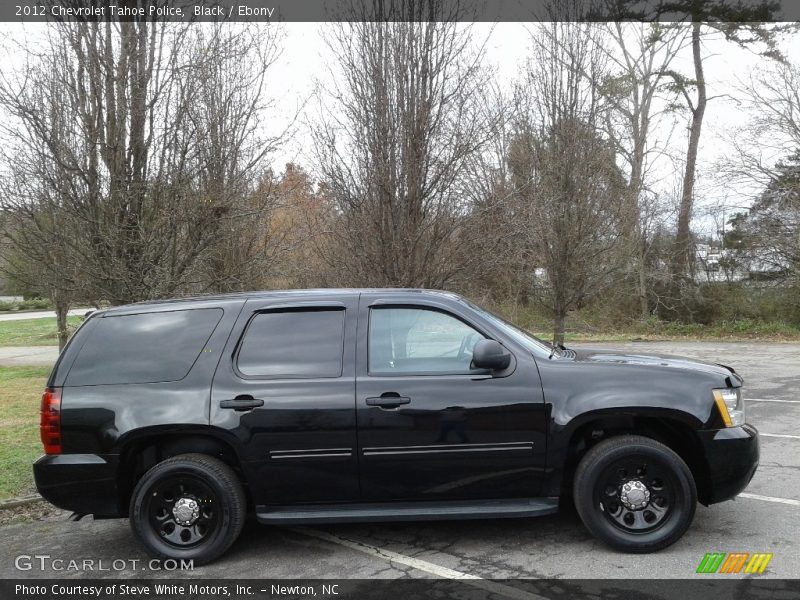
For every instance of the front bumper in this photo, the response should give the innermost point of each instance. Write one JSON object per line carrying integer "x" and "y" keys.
{"x": 82, "y": 483}
{"x": 731, "y": 457}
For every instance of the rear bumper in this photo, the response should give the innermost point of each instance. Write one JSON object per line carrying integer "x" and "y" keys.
{"x": 82, "y": 483}
{"x": 731, "y": 458}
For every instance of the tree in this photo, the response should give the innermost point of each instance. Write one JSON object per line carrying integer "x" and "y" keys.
{"x": 229, "y": 71}
{"x": 494, "y": 218}
{"x": 766, "y": 159}
{"x": 36, "y": 189}
{"x": 145, "y": 140}
{"x": 742, "y": 24}
{"x": 302, "y": 223}
{"x": 396, "y": 144}
{"x": 772, "y": 131}
{"x": 641, "y": 54}
{"x": 769, "y": 233}
{"x": 567, "y": 183}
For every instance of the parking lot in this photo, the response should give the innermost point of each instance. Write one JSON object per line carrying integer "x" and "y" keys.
{"x": 766, "y": 518}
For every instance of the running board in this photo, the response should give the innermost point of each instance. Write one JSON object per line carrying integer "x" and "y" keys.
{"x": 406, "y": 511}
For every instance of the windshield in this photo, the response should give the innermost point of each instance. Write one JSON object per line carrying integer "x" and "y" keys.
{"x": 530, "y": 342}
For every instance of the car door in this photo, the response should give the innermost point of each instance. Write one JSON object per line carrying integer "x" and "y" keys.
{"x": 430, "y": 427}
{"x": 285, "y": 390}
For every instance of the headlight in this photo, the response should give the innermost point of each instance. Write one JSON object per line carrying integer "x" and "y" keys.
{"x": 731, "y": 406}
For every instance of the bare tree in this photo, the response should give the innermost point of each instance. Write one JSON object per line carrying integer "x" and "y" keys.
{"x": 766, "y": 159}
{"x": 229, "y": 65}
{"x": 147, "y": 148}
{"x": 494, "y": 213}
{"x": 302, "y": 223}
{"x": 772, "y": 131}
{"x": 565, "y": 172}
{"x": 742, "y": 24}
{"x": 35, "y": 252}
{"x": 641, "y": 54}
{"x": 36, "y": 189}
{"x": 403, "y": 123}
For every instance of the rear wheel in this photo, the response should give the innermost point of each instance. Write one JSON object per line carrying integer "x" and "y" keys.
{"x": 635, "y": 494}
{"x": 188, "y": 507}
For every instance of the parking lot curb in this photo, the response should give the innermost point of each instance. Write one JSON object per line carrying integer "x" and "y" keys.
{"x": 15, "y": 502}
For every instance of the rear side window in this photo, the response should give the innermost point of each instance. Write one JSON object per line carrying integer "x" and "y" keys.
{"x": 293, "y": 344}
{"x": 144, "y": 348}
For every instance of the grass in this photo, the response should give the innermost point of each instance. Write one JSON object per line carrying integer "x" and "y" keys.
{"x": 730, "y": 331}
{"x": 34, "y": 332}
{"x": 20, "y": 393}
{"x": 586, "y": 326}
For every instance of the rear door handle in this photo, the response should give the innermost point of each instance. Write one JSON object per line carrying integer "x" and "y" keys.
{"x": 388, "y": 401}
{"x": 242, "y": 403}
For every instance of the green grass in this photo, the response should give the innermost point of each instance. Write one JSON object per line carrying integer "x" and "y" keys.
{"x": 654, "y": 330}
{"x": 34, "y": 332}
{"x": 588, "y": 326}
{"x": 20, "y": 393}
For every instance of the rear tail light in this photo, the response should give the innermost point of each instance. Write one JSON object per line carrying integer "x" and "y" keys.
{"x": 50, "y": 421}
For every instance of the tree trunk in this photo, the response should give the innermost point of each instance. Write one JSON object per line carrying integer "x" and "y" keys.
{"x": 682, "y": 252}
{"x": 644, "y": 308}
{"x": 559, "y": 325}
{"x": 62, "y": 308}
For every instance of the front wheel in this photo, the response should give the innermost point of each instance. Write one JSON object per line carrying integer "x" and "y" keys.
{"x": 189, "y": 507}
{"x": 635, "y": 494}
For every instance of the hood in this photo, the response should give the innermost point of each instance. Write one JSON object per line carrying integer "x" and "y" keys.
{"x": 665, "y": 362}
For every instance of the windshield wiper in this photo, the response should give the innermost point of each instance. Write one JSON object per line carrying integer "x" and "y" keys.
{"x": 556, "y": 347}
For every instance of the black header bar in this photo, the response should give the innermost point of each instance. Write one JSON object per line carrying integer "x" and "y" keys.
{"x": 734, "y": 588}
{"x": 22, "y": 11}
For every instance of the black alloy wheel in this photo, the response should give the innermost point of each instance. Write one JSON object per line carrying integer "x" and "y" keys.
{"x": 183, "y": 509}
{"x": 637, "y": 494}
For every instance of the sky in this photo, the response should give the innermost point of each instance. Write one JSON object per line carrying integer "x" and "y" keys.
{"x": 303, "y": 62}
{"x": 303, "y": 66}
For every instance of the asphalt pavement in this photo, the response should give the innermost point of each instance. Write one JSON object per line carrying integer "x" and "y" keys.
{"x": 766, "y": 518}
{"x": 40, "y": 314}
{"x": 28, "y": 356}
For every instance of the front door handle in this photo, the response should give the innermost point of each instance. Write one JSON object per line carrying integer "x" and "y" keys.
{"x": 242, "y": 403}
{"x": 388, "y": 400}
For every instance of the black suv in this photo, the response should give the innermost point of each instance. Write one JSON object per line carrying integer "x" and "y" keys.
{"x": 315, "y": 406}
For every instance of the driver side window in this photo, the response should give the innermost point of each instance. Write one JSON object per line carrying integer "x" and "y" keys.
{"x": 419, "y": 340}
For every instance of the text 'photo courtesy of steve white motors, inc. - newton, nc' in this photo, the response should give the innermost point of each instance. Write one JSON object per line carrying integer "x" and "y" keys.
{"x": 159, "y": 590}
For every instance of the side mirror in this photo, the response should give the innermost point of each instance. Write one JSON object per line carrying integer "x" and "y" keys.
{"x": 489, "y": 354}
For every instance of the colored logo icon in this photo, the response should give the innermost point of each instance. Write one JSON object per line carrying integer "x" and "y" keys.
{"x": 734, "y": 562}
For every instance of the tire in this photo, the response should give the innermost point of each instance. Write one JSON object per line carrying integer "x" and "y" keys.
{"x": 201, "y": 490}
{"x": 653, "y": 512}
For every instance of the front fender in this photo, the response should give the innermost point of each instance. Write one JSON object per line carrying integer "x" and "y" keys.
{"x": 576, "y": 389}
{"x": 579, "y": 393}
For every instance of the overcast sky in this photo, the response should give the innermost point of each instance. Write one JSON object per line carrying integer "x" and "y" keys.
{"x": 302, "y": 64}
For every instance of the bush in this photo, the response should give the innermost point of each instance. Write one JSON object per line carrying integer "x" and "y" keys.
{"x": 27, "y": 304}
{"x": 758, "y": 304}
{"x": 716, "y": 310}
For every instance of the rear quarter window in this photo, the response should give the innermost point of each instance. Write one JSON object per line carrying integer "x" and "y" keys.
{"x": 293, "y": 344}
{"x": 143, "y": 348}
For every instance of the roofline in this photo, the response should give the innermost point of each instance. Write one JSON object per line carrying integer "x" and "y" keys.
{"x": 272, "y": 293}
